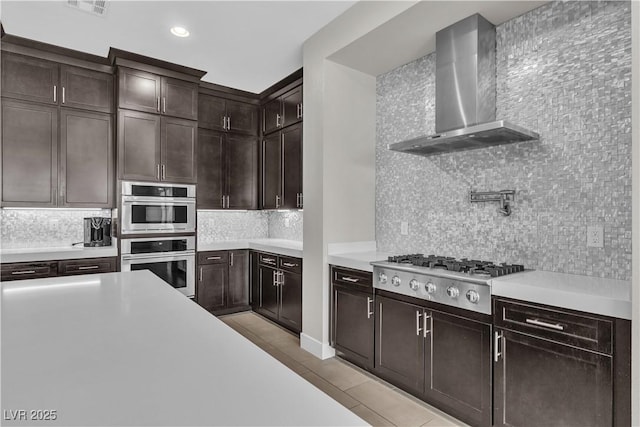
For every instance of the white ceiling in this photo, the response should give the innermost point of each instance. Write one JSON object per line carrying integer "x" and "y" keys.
{"x": 246, "y": 45}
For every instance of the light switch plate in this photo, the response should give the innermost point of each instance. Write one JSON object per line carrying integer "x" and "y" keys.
{"x": 595, "y": 236}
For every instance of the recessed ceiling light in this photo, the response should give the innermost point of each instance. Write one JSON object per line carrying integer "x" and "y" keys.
{"x": 179, "y": 31}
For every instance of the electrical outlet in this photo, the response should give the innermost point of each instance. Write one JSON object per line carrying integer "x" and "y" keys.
{"x": 404, "y": 228}
{"x": 595, "y": 236}
{"x": 287, "y": 222}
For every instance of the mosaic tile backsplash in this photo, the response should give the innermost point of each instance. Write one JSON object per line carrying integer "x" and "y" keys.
{"x": 564, "y": 71}
{"x": 43, "y": 228}
{"x": 216, "y": 226}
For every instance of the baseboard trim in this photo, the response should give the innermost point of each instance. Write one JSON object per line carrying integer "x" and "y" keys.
{"x": 318, "y": 349}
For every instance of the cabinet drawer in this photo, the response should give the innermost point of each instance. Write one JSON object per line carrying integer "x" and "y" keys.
{"x": 268, "y": 259}
{"x": 213, "y": 257}
{"x": 29, "y": 270}
{"x": 577, "y": 329}
{"x": 87, "y": 266}
{"x": 293, "y": 265}
{"x": 349, "y": 277}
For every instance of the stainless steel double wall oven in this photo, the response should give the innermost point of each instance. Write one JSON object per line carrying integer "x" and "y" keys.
{"x": 157, "y": 229}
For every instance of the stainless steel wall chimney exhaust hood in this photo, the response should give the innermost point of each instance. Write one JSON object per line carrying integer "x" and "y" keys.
{"x": 466, "y": 93}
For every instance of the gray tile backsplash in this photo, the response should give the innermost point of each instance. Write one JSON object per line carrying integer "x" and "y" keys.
{"x": 285, "y": 225}
{"x": 41, "y": 228}
{"x": 215, "y": 226}
{"x": 563, "y": 70}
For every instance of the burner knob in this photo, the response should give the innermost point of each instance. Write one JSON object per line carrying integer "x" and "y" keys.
{"x": 395, "y": 281}
{"x": 414, "y": 285}
{"x": 431, "y": 288}
{"x": 453, "y": 292}
{"x": 473, "y": 296}
{"x": 382, "y": 278}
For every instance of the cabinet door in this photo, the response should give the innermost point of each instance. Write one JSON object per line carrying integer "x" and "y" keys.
{"x": 542, "y": 383}
{"x": 29, "y": 154}
{"x": 291, "y": 166}
{"x": 179, "y": 98}
{"x": 272, "y": 116}
{"x": 238, "y": 294}
{"x": 139, "y": 145}
{"x": 28, "y": 78}
{"x": 138, "y": 90}
{"x": 242, "y": 117}
{"x": 178, "y": 150}
{"x": 86, "y": 159}
{"x": 268, "y": 290}
{"x": 28, "y": 270}
{"x": 452, "y": 342}
{"x": 86, "y": 266}
{"x": 271, "y": 168}
{"x": 86, "y": 89}
{"x": 400, "y": 349}
{"x": 353, "y": 325}
{"x": 211, "y": 112}
{"x": 291, "y": 300}
{"x": 242, "y": 171}
{"x": 211, "y": 171}
{"x": 212, "y": 283}
{"x": 292, "y": 106}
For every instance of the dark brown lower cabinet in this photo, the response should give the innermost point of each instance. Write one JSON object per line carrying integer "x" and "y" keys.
{"x": 223, "y": 281}
{"x": 352, "y": 316}
{"x": 279, "y": 290}
{"x": 68, "y": 267}
{"x": 441, "y": 357}
{"x": 556, "y": 367}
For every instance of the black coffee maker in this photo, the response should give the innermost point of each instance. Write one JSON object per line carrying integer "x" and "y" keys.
{"x": 97, "y": 231}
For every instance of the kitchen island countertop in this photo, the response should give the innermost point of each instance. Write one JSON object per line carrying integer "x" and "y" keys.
{"x": 128, "y": 349}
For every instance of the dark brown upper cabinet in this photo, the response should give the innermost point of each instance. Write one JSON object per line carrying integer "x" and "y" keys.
{"x": 86, "y": 159}
{"x": 282, "y": 169}
{"x": 151, "y": 93}
{"x": 155, "y": 148}
{"x": 226, "y": 115}
{"x": 227, "y": 170}
{"x": 29, "y": 154}
{"x": 41, "y": 170}
{"x": 33, "y": 79}
{"x": 282, "y": 111}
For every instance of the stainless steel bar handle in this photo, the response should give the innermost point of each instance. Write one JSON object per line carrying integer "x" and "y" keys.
{"x": 88, "y": 267}
{"x": 297, "y": 200}
{"x": 16, "y": 273}
{"x": 281, "y": 280}
{"x": 55, "y": 93}
{"x": 231, "y": 260}
{"x": 289, "y": 264}
{"x": 275, "y": 278}
{"x": 227, "y": 201}
{"x": 158, "y": 171}
{"x": 268, "y": 260}
{"x": 164, "y": 172}
{"x": 278, "y": 117}
{"x": 213, "y": 257}
{"x": 201, "y": 274}
{"x": 63, "y": 97}
{"x": 350, "y": 279}
{"x": 164, "y": 104}
{"x": 277, "y": 201}
{"x": 496, "y": 345}
{"x": 556, "y": 326}
{"x": 425, "y": 328}
{"x": 301, "y": 200}
{"x": 301, "y": 110}
{"x": 369, "y": 307}
{"x": 158, "y": 103}
{"x": 228, "y": 123}
{"x": 418, "y": 328}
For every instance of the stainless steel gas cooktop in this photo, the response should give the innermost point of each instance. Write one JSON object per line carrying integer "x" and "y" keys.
{"x": 461, "y": 283}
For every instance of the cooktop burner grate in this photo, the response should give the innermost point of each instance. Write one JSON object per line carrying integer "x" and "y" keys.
{"x": 464, "y": 265}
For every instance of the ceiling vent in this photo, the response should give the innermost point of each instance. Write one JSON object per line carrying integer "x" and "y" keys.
{"x": 94, "y": 7}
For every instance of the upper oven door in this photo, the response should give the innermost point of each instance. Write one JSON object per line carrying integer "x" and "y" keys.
{"x": 153, "y": 215}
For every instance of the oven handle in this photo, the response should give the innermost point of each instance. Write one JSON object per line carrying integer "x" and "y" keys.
{"x": 167, "y": 255}
{"x": 162, "y": 200}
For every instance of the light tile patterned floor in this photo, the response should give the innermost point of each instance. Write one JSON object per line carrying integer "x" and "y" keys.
{"x": 373, "y": 400}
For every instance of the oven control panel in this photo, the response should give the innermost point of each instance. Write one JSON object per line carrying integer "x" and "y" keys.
{"x": 452, "y": 292}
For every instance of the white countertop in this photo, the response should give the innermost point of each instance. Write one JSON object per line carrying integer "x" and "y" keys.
{"x": 279, "y": 246}
{"x": 357, "y": 260}
{"x": 128, "y": 349}
{"x": 57, "y": 253}
{"x": 583, "y": 293}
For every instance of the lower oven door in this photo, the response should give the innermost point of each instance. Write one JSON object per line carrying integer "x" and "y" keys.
{"x": 178, "y": 270}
